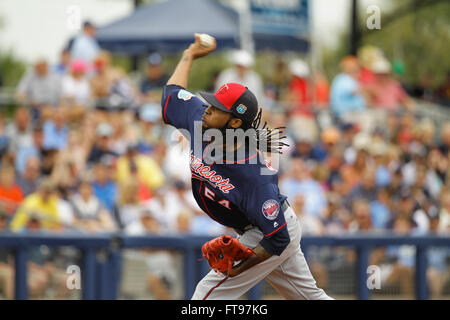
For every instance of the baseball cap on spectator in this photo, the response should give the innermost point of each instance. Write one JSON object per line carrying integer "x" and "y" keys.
{"x": 303, "y": 136}
{"x": 381, "y": 66}
{"x": 78, "y": 65}
{"x": 150, "y": 112}
{"x": 242, "y": 58}
{"x": 361, "y": 141}
{"x": 154, "y": 59}
{"x": 299, "y": 68}
{"x": 104, "y": 129}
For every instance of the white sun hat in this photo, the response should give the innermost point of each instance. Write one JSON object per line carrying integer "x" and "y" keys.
{"x": 299, "y": 68}
{"x": 242, "y": 58}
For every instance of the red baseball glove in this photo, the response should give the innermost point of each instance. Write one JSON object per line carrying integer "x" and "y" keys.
{"x": 223, "y": 251}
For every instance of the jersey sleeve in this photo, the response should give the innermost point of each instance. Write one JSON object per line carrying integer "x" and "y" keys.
{"x": 180, "y": 108}
{"x": 263, "y": 206}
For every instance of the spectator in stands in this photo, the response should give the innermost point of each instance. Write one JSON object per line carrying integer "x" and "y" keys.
{"x": 4, "y": 140}
{"x": 146, "y": 224}
{"x": 39, "y": 86}
{"x": 305, "y": 147}
{"x": 35, "y": 149}
{"x": 62, "y": 67}
{"x": 43, "y": 204}
{"x": 168, "y": 202}
{"x": 105, "y": 188}
{"x": 74, "y": 154}
{"x": 19, "y": 132}
{"x": 102, "y": 144}
{"x": 148, "y": 131}
{"x": 346, "y": 93}
{"x": 301, "y": 182}
{"x": 85, "y": 46}
{"x": 10, "y": 193}
{"x": 56, "y": 131}
{"x": 129, "y": 206}
{"x": 351, "y": 173}
{"x": 89, "y": 213}
{"x": 76, "y": 89}
{"x": 385, "y": 92}
{"x": 366, "y": 189}
{"x": 29, "y": 180}
{"x": 367, "y": 55}
{"x": 311, "y": 225}
{"x": 334, "y": 163}
{"x": 242, "y": 73}
{"x": 380, "y": 210}
{"x": 122, "y": 131}
{"x": 104, "y": 77}
{"x": 329, "y": 138}
{"x": 362, "y": 221}
{"x": 437, "y": 174}
{"x": 300, "y": 92}
{"x": 321, "y": 90}
{"x": 177, "y": 150}
{"x": 155, "y": 78}
{"x": 142, "y": 167}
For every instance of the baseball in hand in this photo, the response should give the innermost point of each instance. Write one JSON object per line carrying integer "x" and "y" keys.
{"x": 206, "y": 40}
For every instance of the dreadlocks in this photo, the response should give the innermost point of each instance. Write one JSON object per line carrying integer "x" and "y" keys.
{"x": 267, "y": 140}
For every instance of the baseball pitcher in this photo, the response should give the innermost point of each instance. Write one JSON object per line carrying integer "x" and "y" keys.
{"x": 235, "y": 186}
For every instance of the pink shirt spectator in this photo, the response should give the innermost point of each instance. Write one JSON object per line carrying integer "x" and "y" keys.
{"x": 387, "y": 94}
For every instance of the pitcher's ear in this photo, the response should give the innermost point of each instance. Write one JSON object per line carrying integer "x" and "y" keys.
{"x": 235, "y": 123}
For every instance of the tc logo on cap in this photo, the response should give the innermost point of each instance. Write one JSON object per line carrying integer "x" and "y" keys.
{"x": 241, "y": 109}
{"x": 223, "y": 89}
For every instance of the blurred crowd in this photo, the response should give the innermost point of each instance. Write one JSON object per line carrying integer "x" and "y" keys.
{"x": 87, "y": 150}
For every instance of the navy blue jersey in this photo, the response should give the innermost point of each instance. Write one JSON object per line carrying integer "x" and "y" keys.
{"x": 233, "y": 193}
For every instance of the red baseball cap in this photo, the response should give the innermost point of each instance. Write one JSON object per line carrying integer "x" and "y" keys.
{"x": 234, "y": 98}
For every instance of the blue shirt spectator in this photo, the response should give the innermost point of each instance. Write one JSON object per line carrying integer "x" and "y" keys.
{"x": 85, "y": 46}
{"x": 106, "y": 194}
{"x": 312, "y": 191}
{"x": 380, "y": 214}
{"x": 344, "y": 96}
{"x": 55, "y": 137}
{"x": 344, "y": 91}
